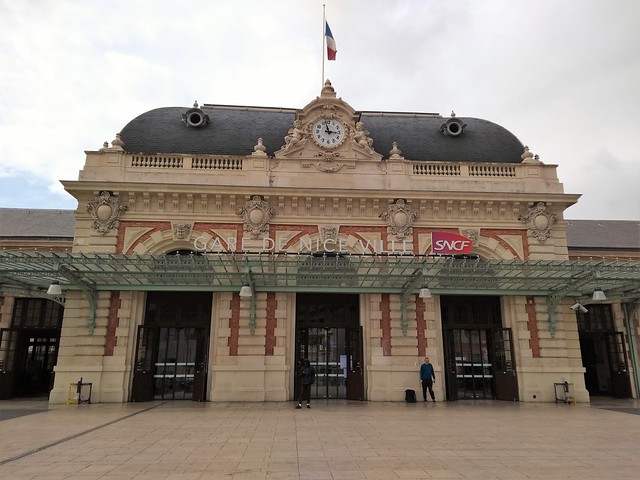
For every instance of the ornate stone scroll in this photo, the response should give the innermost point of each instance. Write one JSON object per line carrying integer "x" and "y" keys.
{"x": 256, "y": 214}
{"x": 329, "y": 163}
{"x": 400, "y": 218}
{"x": 105, "y": 211}
{"x": 539, "y": 221}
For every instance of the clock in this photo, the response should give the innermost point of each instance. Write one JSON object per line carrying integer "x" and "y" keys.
{"x": 328, "y": 133}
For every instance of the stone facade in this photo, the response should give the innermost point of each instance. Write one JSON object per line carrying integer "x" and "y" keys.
{"x": 285, "y": 200}
{"x": 309, "y": 196}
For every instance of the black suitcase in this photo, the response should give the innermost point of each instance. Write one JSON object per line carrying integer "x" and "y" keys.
{"x": 410, "y": 396}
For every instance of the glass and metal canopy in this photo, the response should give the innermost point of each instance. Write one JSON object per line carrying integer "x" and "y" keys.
{"x": 377, "y": 273}
{"x": 317, "y": 272}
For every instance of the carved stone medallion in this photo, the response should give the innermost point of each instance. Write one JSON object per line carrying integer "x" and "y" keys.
{"x": 328, "y": 233}
{"x": 471, "y": 233}
{"x": 256, "y": 215}
{"x": 181, "y": 231}
{"x": 539, "y": 221}
{"x": 105, "y": 211}
{"x": 400, "y": 218}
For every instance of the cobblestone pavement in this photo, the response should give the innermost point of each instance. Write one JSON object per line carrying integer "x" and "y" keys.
{"x": 332, "y": 440}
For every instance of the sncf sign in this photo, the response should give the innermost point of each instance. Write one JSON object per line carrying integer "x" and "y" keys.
{"x": 444, "y": 243}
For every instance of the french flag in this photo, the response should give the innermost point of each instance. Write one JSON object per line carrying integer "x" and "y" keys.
{"x": 331, "y": 43}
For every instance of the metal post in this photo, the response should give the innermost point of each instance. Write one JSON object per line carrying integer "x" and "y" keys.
{"x": 629, "y": 310}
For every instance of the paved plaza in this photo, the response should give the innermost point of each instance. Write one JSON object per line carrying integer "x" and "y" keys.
{"x": 332, "y": 440}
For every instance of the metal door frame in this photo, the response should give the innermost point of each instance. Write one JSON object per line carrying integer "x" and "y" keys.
{"x": 149, "y": 366}
{"x": 8, "y": 348}
{"x": 504, "y": 366}
{"x": 469, "y": 313}
{"x": 618, "y": 364}
{"x": 353, "y": 366}
{"x": 470, "y": 368}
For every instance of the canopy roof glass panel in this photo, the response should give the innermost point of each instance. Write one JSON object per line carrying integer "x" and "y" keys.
{"x": 318, "y": 272}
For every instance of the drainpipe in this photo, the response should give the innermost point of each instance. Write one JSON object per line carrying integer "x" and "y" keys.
{"x": 629, "y": 310}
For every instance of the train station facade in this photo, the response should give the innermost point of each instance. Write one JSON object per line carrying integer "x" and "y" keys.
{"x": 216, "y": 247}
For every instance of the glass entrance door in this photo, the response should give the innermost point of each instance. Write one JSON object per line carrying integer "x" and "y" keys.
{"x": 471, "y": 370}
{"x": 37, "y": 354}
{"x": 480, "y": 364}
{"x": 616, "y": 353}
{"x": 326, "y": 349}
{"x": 335, "y": 354}
{"x": 29, "y": 349}
{"x": 603, "y": 353}
{"x": 171, "y": 352}
{"x": 479, "y": 361}
{"x": 174, "y": 370}
{"x": 328, "y": 335}
{"x": 170, "y": 364}
{"x": 504, "y": 365}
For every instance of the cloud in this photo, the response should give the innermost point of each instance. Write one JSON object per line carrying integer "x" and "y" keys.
{"x": 22, "y": 190}
{"x": 604, "y": 172}
{"x": 561, "y": 75}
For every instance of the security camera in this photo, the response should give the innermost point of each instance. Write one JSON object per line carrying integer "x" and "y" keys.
{"x": 578, "y": 306}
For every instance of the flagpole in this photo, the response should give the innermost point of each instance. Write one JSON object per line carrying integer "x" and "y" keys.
{"x": 324, "y": 27}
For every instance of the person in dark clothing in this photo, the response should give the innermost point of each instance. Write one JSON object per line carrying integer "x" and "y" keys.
{"x": 307, "y": 377}
{"x": 428, "y": 378}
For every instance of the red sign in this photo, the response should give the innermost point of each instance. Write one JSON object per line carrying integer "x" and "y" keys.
{"x": 444, "y": 243}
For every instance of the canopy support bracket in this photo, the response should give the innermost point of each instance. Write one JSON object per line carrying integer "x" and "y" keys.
{"x": 554, "y": 300}
{"x": 407, "y": 290}
{"x": 252, "y": 303}
{"x": 89, "y": 291}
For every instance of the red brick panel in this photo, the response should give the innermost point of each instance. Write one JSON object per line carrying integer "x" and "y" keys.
{"x": 385, "y": 324}
{"x": 234, "y": 325}
{"x": 421, "y": 327}
{"x": 112, "y": 323}
{"x": 270, "y": 341}
{"x": 532, "y": 326}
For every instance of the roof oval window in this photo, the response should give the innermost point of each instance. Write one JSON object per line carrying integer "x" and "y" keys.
{"x": 195, "y": 117}
{"x": 453, "y": 127}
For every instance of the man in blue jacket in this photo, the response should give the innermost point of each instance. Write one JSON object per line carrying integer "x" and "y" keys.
{"x": 428, "y": 378}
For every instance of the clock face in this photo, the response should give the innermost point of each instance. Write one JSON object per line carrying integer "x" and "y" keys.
{"x": 328, "y": 133}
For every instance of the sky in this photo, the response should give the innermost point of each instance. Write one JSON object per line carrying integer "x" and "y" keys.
{"x": 562, "y": 75}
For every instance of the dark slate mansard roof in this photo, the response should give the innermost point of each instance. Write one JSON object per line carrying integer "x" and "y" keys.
{"x": 235, "y": 130}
